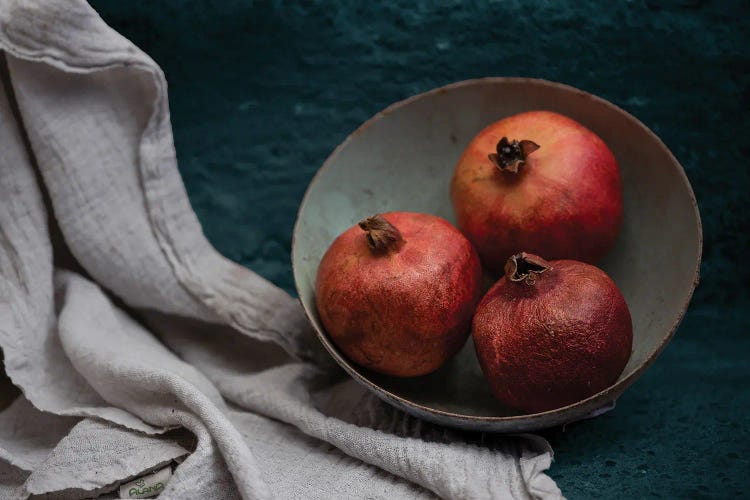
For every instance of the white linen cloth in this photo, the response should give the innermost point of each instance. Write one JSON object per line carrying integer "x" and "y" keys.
{"x": 136, "y": 344}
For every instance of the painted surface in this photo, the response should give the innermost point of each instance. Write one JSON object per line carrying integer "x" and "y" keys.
{"x": 262, "y": 91}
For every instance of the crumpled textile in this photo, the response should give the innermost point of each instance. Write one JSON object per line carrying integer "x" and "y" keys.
{"x": 136, "y": 345}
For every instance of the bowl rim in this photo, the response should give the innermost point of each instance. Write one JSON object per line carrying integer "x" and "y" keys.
{"x": 605, "y": 396}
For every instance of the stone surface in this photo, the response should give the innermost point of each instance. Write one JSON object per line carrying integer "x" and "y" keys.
{"x": 262, "y": 91}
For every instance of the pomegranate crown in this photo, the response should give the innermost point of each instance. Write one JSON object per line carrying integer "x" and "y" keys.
{"x": 381, "y": 235}
{"x": 511, "y": 155}
{"x": 525, "y": 267}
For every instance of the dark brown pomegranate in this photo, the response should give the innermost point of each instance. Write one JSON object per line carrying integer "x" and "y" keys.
{"x": 538, "y": 182}
{"x": 550, "y": 334}
{"x": 396, "y": 293}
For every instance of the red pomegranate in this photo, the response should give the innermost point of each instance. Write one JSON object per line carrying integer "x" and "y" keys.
{"x": 538, "y": 182}
{"x": 397, "y": 292}
{"x": 550, "y": 334}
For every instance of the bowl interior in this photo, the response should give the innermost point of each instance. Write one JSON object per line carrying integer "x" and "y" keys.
{"x": 403, "y": 159}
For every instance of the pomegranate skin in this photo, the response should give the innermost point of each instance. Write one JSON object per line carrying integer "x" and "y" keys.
{"x": 556, "y": 342}
{"x": 565, "y": 202}
{"x": 403, "y": 312}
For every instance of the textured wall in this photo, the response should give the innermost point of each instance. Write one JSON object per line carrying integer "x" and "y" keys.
{"x": 262, "y": 91}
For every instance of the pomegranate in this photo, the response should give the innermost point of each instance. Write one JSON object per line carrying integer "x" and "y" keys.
{"x": 538, "y": 182}
{"x": 549, "y": 334}
{"x": 397, "y": 292}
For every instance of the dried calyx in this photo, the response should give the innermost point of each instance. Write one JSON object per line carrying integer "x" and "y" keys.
{"x": 381, "y": 235}
{"x": 525, "y": 267}
{"x": 511, "y": 155}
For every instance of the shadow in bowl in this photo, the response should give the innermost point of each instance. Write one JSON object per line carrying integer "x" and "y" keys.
{"x": 460, "y": 377}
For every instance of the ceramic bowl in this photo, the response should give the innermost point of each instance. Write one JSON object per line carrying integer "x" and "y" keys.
{"x": 403, "y": 159}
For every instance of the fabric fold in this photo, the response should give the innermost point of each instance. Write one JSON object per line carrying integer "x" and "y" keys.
{"x": 33, "y": 355}
{"x": 96, "y": 456}
{"x": 28, "y": 435}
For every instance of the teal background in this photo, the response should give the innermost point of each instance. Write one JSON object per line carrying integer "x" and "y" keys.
{"x": 261, "y": 92}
